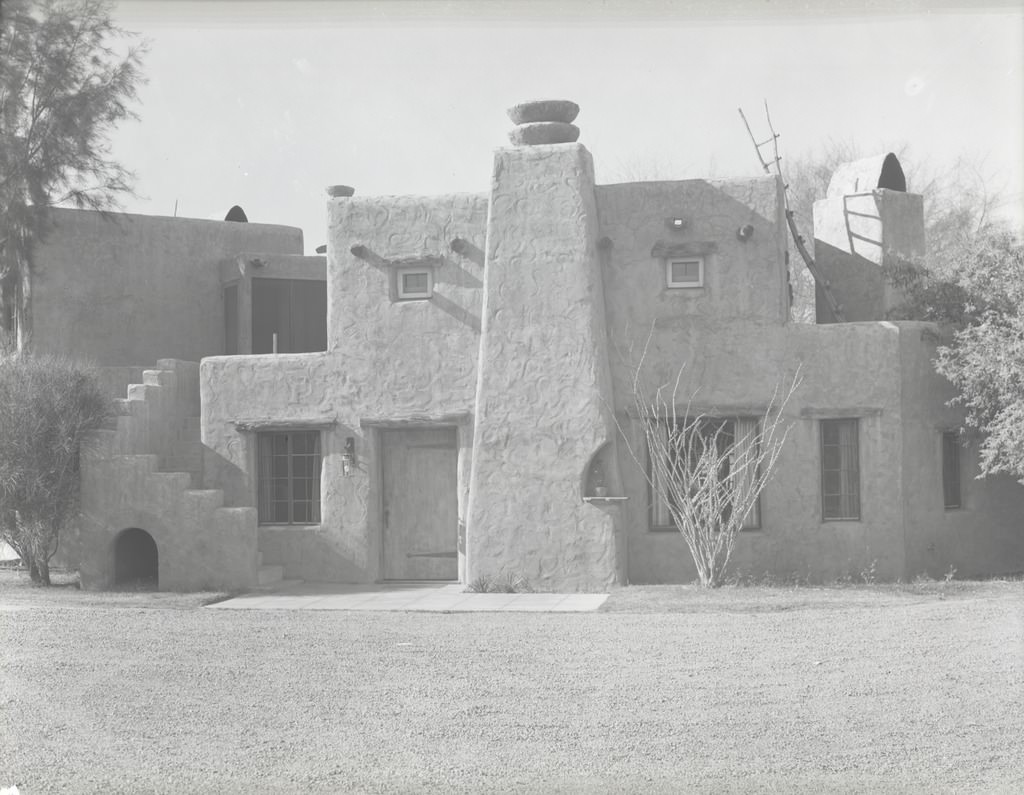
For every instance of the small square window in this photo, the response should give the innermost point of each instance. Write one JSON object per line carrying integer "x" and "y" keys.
{"x": 687, "y": 272}
{"x": 414, "y": 283}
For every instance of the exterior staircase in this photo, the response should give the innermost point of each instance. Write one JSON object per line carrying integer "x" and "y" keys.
{"x": 145, "y": 470}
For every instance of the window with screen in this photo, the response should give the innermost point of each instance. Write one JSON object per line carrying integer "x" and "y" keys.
{"x": 840, "y": 469}
{"x": 289, "y": 464}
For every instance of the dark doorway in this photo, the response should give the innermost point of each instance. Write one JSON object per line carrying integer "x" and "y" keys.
{"x": 135, "y": 559}
{"x": 892, "y": 176}
{"x": 293, "y": 310}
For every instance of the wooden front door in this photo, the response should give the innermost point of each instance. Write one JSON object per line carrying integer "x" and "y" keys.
{"x": 421, "y": 514}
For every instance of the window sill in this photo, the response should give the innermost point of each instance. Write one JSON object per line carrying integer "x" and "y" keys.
{"x": 743, "y": 531}
{"x": 605, "y": 499}
{"x": 283, "y": 425}
{"x": 278, "y": 526}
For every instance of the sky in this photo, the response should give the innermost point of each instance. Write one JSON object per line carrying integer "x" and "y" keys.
{"x": 263, "y": 104}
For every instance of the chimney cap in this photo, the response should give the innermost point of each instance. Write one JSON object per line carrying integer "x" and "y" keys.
{"x": 538, "y": 110}
{"x": 543, "y": 132}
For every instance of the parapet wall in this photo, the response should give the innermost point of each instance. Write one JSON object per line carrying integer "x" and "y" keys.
{"x": 132, "y": 289}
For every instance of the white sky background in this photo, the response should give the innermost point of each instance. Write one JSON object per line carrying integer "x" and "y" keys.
{"x": 263, "y": 104}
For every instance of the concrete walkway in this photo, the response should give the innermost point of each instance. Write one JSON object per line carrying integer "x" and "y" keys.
{"x": 440, "y": 598}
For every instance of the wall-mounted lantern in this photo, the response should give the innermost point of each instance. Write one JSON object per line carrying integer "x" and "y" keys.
{"x": 348, "y": 458}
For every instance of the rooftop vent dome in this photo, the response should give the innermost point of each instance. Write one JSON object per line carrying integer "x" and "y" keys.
{"x": 236, "y": 213}
{"x": 881, "y": 172}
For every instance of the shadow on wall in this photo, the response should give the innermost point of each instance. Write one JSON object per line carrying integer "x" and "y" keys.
{"x": 446, "y": 271}
{"x": 857, "y": 282}
{"x": 737, "y": 222}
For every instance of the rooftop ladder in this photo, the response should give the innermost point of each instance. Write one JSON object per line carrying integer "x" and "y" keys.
{"x": 819, "y": 278}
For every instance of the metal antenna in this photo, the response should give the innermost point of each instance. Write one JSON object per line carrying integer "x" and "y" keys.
{"x": 798, "y": 240}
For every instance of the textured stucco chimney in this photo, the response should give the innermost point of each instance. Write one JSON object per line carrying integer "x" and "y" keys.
{"x": 542, "y": 415}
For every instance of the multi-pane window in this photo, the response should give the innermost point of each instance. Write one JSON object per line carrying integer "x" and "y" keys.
{"x": 289, "y": 477}
{"x": 840, "y": 469}
{"x": 951, "y": 470}
{"x": 733, "y": 438}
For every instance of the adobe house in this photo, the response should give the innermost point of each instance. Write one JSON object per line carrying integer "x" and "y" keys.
{"x": 430, "y": 401}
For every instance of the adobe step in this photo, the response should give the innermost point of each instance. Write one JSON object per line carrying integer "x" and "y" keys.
{"x": 205, "y": 499}
{"x": 158, "y": 377}
{"x": 143, "y": 391}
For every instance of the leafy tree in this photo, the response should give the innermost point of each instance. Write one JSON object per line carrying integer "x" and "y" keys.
{"x": 985, "y": 358}
{"x": 47, "y": 406}
{"x": 971, "y": 281}
{"x": 63, "y": 89}
{"x": 958, "y": 213}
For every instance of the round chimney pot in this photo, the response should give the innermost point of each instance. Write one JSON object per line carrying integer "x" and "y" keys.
{"x": 340, "y": 191}
{"x": 540, "y": 110}
{"x": 543, "y": 132}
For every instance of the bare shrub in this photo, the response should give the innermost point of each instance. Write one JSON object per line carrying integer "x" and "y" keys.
{"x": 709, "y": 470}
{"x": 47, "y": 406}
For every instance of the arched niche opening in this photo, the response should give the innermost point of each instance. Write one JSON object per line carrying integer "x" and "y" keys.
{"x": 599, "y": 479}
{"x": 880, "y": 172}
{"x": 136, "y": 560}
{"x": 892, "y": 176}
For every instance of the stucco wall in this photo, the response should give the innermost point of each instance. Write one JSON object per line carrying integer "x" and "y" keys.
{"x": 396, "y": 351}
{"x": 389, "y": 362}
{"x": 242, "y": 395}
{"x": 574, "y": 290}
{"x": 135, "y": 288}
{"x": 849, "y": 370}
{"x": 744, "y": 280}
{"x": 200, "y": 543}
{"x": 854, "y": 238}
{"x": 986, "y": 534}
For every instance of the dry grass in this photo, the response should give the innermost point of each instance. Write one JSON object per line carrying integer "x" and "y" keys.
{"x": 17, "y": 590}
{"x": 771, "y": 598}
{"x": 778, "y": 690}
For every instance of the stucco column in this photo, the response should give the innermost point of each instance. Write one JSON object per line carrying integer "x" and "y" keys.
{"x": 543, "y": 390}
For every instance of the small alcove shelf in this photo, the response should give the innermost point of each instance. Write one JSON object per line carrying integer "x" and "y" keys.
{"x": 605, "y": 499}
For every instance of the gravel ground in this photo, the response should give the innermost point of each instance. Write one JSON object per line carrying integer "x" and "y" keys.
{"x": 887, "y": 693}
